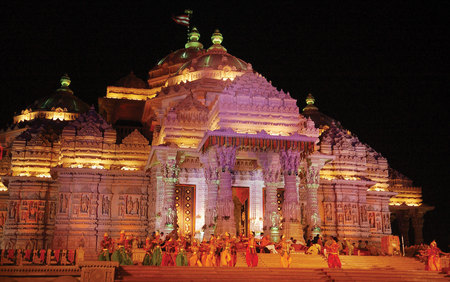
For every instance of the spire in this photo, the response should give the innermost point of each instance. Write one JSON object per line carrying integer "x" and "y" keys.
{"x": 194, "y": 36}
{"x": 65, "y": 82}
{"x": 217, "y": 39}
{"x": 310, "y": 103}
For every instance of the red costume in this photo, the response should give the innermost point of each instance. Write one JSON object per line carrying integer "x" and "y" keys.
{"x": 434, "y": 261}
{"x": 251, "y": 257}
{"x": 333, "y": 255}
{"x": 42, "y": 257}
{"x": 167, "y": 259}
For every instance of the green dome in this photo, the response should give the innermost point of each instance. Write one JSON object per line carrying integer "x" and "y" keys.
{"x": 63, "y": 98}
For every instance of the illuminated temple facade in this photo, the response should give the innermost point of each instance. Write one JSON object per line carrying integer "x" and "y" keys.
{"x": 206, "y": 144}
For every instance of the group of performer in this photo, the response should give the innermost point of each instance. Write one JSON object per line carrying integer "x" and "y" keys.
{"x": 178, "y": 250}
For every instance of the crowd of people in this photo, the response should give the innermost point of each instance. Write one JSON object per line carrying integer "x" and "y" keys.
{"x": 177, "y": 250}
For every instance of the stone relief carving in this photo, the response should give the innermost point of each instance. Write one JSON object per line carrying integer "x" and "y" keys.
{"x": 63, "y": 203}
{"x": 132, "y": 205}
{"x": 275, "y": 219}
{"x": 313, "y": 176}
{"x": 85, "y": 203}
{"x": 289, "y": 161}
{"x": 106, "y": 205}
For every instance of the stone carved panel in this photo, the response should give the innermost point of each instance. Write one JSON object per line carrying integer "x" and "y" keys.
{"x": 226, "y": 157}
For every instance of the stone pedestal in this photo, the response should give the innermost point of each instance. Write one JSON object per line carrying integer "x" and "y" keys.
{"x": 275, "y": 234}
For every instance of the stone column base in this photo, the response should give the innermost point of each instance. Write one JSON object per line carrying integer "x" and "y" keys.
{"x": 275, "y": 235}
{"x": 225, "y": 225}
{"x": 168, "y": 229}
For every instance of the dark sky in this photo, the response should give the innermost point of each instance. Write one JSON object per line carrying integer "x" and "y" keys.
{"x": 381, "y": 69}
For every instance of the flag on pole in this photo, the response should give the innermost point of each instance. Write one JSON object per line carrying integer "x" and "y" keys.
{"x": 182, "y": 19}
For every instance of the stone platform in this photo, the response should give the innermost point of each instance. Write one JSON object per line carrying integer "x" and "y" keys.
{"x": 303, "y": 268}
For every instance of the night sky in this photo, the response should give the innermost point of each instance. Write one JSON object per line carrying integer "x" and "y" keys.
{"x": 382, "y": 70}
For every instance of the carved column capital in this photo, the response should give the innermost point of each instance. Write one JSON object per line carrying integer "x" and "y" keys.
{"x": 170, "y": 170}
{"x": 289, "y": 161}
{"x": 226, "y": 158}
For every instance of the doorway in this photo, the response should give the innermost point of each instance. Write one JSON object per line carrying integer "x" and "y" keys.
{"x": 241, "y": 209}
{"x": 185, "y": 204}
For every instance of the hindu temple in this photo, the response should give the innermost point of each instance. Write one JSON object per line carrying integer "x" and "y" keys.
{"x": 207, "y": 145}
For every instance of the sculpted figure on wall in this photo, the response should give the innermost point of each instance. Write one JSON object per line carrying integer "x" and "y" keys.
{"x": 328, "y": 212}
{"x": 170, "y": 216}
{"x": 12, "y": 210}
{"x": 313, "y": 175}
{"x": 63, "y": 203}
{"x": 363, "y": 213}
{"x": 85, "y": 201}
{"x": 106, "y": 205}
{"x": 275, "y": 218}
{"x": 348, "y": 213}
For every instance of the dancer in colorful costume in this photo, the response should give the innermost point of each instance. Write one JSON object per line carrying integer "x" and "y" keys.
{"x": 148, "y": 252}
{"x": 156, "y": 250}
{"x": 169, "y": 250}
{"x": 106, "y": 245}
{"x": 225, "y": 254}
{"x": 180, "y": 251}
{"x": 285, "y": 252}
{"x": 333, "y": 254}
{"x": 251, "y": 257}
{"x": 195, "y": 260}
{"x": 434, "y": 260}
{"x": 120, "y": 255}
{"x": 211, "y": 256}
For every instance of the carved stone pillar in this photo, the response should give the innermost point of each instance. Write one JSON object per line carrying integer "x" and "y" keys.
{"x": 210, "y": 169}
{"x": 312, "y": 185}
{"x": 226, "y": 157}
{"x": 291, "y": 210}
{"x": 170, "y": 170}
{"x": 403, "y": 218}
{"x": 417, "y": 222}
{"x": 315, "y": 163}
{"x": 271, "y": 171}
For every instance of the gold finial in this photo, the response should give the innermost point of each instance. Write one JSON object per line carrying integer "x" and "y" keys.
{"x": 217, "y": 37}
{"x": 65, "y": 80}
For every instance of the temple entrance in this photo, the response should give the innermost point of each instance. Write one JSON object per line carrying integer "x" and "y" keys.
{"x": 185, "y": 204}
{"x": 241, "y": 209}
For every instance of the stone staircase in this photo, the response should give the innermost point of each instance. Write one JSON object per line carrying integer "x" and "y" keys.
{"x": 303, "y": 268}
{"x": 381, "y": 262}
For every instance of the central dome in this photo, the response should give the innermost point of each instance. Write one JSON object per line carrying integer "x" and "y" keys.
{"x": 216, "y": 58}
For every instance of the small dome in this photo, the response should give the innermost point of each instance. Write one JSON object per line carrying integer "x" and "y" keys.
{"x": 131, "y": 81}
{"x": 320, "y": 119}
{"x": 63, "y": 98}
